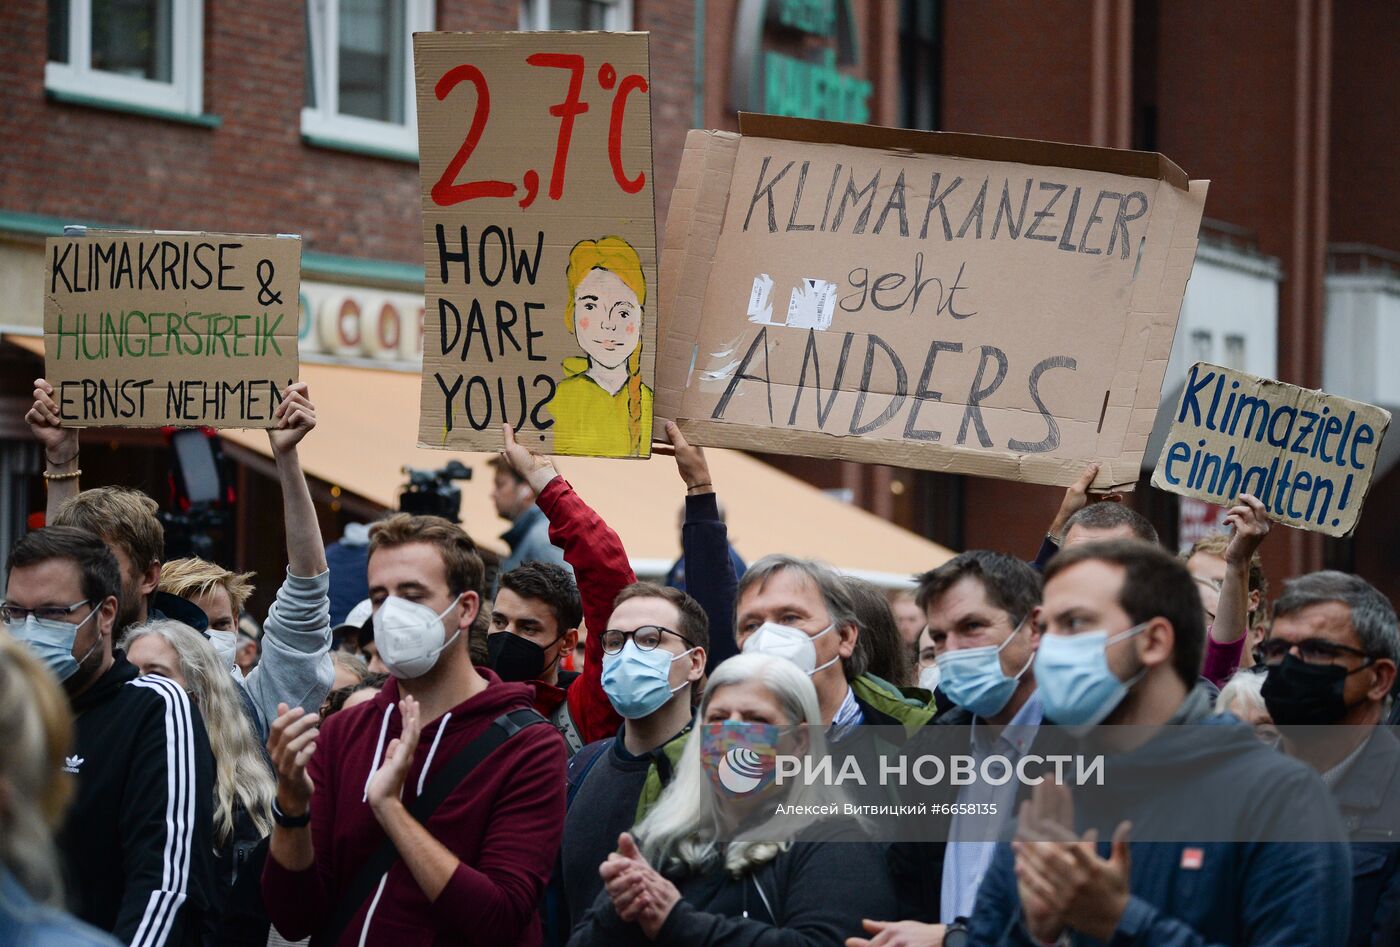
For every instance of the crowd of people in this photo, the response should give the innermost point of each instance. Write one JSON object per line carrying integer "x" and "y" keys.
{"x": 536, "y": 757}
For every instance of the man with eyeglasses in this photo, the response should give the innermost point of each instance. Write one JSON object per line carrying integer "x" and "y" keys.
{"x": 1332, "y": 658}
{"x": 136, "y": 840}
{"x": 653, "y": 656}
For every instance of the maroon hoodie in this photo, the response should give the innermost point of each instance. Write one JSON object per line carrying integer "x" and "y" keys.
{"x": 504, "y": 823}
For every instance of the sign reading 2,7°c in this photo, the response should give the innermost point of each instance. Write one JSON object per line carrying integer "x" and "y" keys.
{"x": 539, "y": 241}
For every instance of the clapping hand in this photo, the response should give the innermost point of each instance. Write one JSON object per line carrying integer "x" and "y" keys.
{"x": 1062, "y": 881}
{"x": 640, "y": 894}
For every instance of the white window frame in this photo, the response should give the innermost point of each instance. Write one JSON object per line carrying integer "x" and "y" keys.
{"x": 183, "y": 94}
{"x": 534, "y": 15}
{"x": 324, "y": 124}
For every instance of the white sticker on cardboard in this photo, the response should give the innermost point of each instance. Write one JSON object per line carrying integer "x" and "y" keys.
{"x": 761, "y": 300}
{"x": 813, "y": 305}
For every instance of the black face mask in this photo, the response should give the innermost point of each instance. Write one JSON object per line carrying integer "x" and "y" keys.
{"x": 514, "y": 658}
{"x": 1298, "y": 693}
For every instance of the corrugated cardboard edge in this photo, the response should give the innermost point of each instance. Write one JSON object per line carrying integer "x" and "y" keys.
{"x": 1298, "y": 394}
{"x": 965, "y": 460}
{"x": 1148, "y": 335}
{"x": 1136, "y": 164}
{"x": 693, "y": 226}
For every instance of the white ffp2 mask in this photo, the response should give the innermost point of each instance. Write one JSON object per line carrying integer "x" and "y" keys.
{"x": 785, "y": 641}
{"x": 409, "y": 636}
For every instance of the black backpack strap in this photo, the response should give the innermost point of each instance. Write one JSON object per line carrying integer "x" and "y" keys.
{"x": 438, "y": 788}
{"x": 582, "y": 763}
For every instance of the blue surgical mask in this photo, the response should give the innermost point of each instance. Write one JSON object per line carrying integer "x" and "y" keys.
{"x": 52, "y": 643}
{"x": 1072, "y": 677}
{"x": 973, "y": 679}
{"x": 638, "y": 682}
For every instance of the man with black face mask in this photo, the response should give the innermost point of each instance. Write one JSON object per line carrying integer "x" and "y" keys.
{"x": 534, "y": 624}
{"x": 582, "y": 713}
{"x": 1332, "y": 656}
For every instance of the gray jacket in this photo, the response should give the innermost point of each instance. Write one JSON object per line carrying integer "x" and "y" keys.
{"x": 528, "y": 538}
{"x": 295, "y": 667}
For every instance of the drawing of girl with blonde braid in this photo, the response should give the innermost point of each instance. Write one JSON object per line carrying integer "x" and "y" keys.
{"x": 601, "y": 408}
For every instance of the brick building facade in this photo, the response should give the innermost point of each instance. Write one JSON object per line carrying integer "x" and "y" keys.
{"x": 1286, "y": 106}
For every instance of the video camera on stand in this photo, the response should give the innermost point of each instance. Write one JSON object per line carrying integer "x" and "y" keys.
{"x": 199, "y": 522}
{"x": 432, "y": 493}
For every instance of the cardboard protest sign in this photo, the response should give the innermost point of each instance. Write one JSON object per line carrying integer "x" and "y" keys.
{"x": 539, "y": 237}
{"x": 949, "y": 302}
{"x": 1308, "y": 456}
{"x": 171, "y": 329}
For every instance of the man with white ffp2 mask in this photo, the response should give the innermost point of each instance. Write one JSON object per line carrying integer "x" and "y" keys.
{"x": 478, "y": 859}
{"x": 800, "y": 610}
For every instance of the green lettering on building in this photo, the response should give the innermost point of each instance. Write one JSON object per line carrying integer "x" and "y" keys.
{"x": 765, "y": 80}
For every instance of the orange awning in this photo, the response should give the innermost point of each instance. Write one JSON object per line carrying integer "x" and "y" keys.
{"x": 367, "y": 426}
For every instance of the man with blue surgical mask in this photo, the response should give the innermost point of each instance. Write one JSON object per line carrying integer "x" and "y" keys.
{"x": 653, "y": 657}
{"x": 979, "y": 608}
{"x": 1122, "y": 640}
{"x": 139, "y": 750}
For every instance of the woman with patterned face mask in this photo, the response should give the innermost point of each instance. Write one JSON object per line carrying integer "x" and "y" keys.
{"x": 710, "y": 863}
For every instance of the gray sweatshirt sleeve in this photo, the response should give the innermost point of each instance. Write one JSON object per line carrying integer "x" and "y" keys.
{"x": 295, "y": 667}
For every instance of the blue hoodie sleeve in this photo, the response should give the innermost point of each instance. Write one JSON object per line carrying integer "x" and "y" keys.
{"x": 996, "y": 917}
{"x": 709, "y": 573}
{"x": 1294, "y": 893}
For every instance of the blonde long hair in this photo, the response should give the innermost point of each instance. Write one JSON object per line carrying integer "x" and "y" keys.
{"x": 38, "y": 734}
{"x": 616, "y": 256}
{"x": 682, "y": 829}
{"x": 241, "y": 771}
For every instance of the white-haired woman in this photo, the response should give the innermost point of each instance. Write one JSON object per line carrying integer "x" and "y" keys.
{"x": 244, "y": 783}
{"x": 1243, "y": 696}
{"x": 38, "y": 733}
{"x": 712, "y": 863}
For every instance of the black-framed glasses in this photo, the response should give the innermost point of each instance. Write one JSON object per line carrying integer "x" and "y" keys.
{"x": 16, "y": 615}
{"x": 1310, "y": 650}
{"x": 646, "y": 638}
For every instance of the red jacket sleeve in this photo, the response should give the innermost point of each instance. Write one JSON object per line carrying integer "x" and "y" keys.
{"x": 602, "y": 571}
